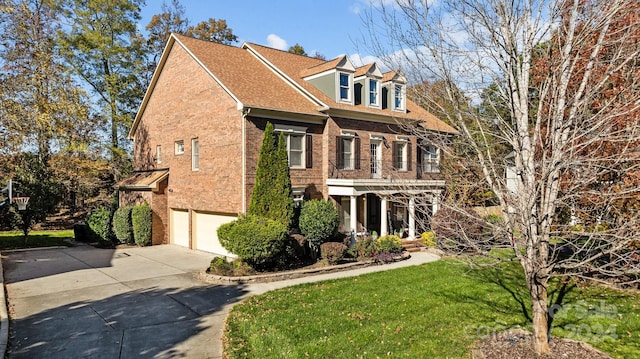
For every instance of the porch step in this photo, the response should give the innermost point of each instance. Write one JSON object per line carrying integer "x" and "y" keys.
{"x": 412, "y": 246}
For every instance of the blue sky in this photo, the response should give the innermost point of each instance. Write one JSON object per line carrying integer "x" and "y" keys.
{"x": 328, "y": 27}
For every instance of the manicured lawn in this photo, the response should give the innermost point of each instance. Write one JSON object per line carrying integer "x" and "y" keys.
{"x": 15, "y": 240}
{"x": 437, "y": 310}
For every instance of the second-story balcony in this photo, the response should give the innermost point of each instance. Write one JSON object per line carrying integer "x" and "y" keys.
{"x": 367, "y": 169}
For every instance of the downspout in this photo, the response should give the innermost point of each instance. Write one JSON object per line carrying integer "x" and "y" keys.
{"x": 245, "y": 112}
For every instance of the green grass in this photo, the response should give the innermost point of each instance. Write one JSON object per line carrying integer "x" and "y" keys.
{"x": 437, "y": 310}
{"x": 15, "y": 239}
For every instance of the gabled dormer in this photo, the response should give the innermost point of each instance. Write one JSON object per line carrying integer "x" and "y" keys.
{"x": 334, "y": 78}
{"x": 394, "y": 91}
{"x": 368, "y": 86}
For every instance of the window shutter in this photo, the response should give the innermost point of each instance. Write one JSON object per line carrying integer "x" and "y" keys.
{"x": 356, "y": 149}
{"x": 339, "y": 159}
{"x": 308, "y": 163}
{"x": 409, "y": 156}
{"x": 394, "y": 155}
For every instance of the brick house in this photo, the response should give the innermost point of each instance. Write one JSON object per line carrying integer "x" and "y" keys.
{"x": 199, "y": 130}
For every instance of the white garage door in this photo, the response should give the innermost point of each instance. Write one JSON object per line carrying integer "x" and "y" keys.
{"x": 180, "y": 227}
{"x": 205, "y": 232}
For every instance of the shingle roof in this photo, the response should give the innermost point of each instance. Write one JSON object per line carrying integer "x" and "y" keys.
{"x": 261, "y": 77}
{"x": 247, "y": 78}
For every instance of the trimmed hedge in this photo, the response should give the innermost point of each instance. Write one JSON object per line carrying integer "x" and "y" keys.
{"x": 99, "y": 221}
{"x": 122, "y": 226}
{"x": 332, "y": 252}
{"x": 389, "y": 243}
{"x": 141, "y": 223}
{"x": 256, "y": 240}
{"x": 319, "y": 221}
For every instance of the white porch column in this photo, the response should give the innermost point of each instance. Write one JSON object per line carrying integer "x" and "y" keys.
{"x": 383, "y": 215}
{"x": 434, "y": 203}
{"x": 412, "y": 218}
{"x": 353, "y": 215}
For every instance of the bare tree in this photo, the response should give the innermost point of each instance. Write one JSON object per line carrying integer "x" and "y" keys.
{"x": 563, "y": 98}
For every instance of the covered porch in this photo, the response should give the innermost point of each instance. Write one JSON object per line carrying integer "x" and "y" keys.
{"x": 384, "y": 205}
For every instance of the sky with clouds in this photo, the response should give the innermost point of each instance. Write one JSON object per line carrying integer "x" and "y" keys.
{"x": 327, "y": 27}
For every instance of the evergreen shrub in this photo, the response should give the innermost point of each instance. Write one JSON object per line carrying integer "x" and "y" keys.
{"x": 141, "y": 223}
{"x": 122, "y": 226}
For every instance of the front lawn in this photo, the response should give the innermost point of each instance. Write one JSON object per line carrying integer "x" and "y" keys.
{"x": 15, "y": 239}
{"x": 437, "y": 310}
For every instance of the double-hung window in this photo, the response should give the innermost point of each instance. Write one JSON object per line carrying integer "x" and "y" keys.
{"x": 398, "y": 97}
{"x": 298, "y": 145}
{"x": 195, "y": 154}
{"x": 402, "y": 155}
{"x": 178, "y": 147}
{"x": 158, "y": 154}
{"x": 373, "y": 93}
{"x": 430, "y": 159}
{"x": 348, "y": 151}
{"x": 345, "y": 87}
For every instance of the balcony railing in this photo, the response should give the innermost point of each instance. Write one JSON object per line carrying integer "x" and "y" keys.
{"x": 381, "y": 169}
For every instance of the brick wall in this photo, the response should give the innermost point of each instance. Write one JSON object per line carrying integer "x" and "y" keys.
{"x": 187, "y": 103}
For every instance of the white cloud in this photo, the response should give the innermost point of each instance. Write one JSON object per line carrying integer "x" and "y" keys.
{"x": 358, "y": 60}
{"x": 277, "y": 42}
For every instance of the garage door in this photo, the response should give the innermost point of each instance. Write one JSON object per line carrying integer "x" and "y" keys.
{"x": 180, "y": 227}
{"x": 205, "y": 227}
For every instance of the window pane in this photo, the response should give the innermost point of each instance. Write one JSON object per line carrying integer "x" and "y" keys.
{"x": 398, "y": 96}
{"x": 195, "y": 154}
{"x": 295, "y": 142}
{"x": 344, "y": 80}
{"x": 295, "y": 159}
{"x": 347, "y": 153}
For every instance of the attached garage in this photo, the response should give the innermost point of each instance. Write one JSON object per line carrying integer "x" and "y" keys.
{"x": 205, "y": 231}
{"x": 179, "y": 227}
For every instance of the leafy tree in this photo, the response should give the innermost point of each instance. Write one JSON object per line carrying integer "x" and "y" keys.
{"x": 100, "y": 45}
{"x": 33, "y": 179}
{"x": 297, "y": 49}
{"x": 214, "y": 30}
{"x": 566, "y": 93}
{"x": 171, "y": 19}
{"x": 272, "y": 197}
{"x": 41, "y": 106}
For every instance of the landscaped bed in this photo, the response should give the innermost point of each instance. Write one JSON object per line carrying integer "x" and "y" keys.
{"x": 442, "y": 309}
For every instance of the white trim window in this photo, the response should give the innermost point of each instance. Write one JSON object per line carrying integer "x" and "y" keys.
{"x": 430, "y": 159}
{"x": 159, "y": 154}
{"x": 374, "y": 93}
{"x": 178, "y": 147}
{"x": 298, "y": 145}
{"x": 398, "y": 97}
{"x": 195, "y": 154}
{"x": 295, "y": 149}
{"x": 345, "y": 81}
{"x": 347, "y": 153}
{"x": 402, "y": 154}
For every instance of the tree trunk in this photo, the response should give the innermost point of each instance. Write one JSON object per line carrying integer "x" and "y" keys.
{"x": 538, "y": 290}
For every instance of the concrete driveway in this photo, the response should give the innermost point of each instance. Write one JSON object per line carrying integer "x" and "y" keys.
{"x": 127, "y": 303}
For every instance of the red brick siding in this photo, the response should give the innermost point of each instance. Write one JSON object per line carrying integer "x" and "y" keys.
{"x": 187, "y": 103}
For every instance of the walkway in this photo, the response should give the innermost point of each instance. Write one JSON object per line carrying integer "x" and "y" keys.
{"x": 126, "y": 303}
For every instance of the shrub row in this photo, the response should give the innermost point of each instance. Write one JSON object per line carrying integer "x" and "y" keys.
{"x": 129, "y": 224}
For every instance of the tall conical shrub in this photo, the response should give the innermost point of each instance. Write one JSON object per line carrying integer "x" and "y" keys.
{"x": 271, "y": 197}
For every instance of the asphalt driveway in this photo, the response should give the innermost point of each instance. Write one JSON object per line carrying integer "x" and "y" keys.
{"x": 127, "y": 303}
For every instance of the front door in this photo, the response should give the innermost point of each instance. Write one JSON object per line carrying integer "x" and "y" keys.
{"x": 373, "y": 213}
{"x": 376, "y": 159}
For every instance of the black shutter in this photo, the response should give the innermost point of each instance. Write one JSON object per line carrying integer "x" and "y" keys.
{"x": 409, "y": 156}
{"x": 394, "y": 155}
{"x": 339, "y": 158}
{"x": 308, "y": 163}
{"x": 356, "y": 149}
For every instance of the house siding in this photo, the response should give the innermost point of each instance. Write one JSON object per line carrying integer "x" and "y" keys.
{"x": 187, "y": 103}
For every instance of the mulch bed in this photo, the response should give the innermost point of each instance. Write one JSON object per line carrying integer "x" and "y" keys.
{"x": 518, "y": 345}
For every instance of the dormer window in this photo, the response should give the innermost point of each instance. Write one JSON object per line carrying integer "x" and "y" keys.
{"x": 345, "y": 87}
{"x": 374, "y": 97}
{"x": 398, "y": 97}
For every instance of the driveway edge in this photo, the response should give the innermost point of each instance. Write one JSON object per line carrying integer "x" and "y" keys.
{"x": 4, "y": 314}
